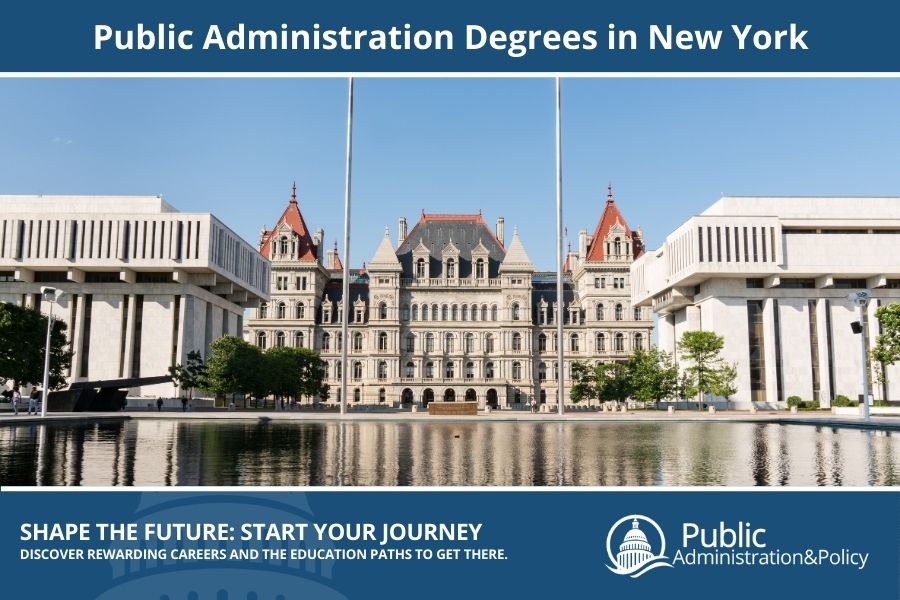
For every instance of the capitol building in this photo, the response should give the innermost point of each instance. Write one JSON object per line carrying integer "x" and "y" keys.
{"x": 453, "y": 311}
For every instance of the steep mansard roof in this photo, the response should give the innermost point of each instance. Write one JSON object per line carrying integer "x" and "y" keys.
{"x": 294, "y": 219}
{"x": 608, "y": 219}
{"x": 435, "y": 232}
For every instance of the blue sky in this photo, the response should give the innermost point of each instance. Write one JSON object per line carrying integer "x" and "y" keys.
{"x": 233, "y": 147}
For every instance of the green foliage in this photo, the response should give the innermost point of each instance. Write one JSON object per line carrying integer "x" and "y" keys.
{"x": 584, "y": 382}
{"x": 887, "y": 344}
{"x": 190, "y": 375}
{"x": 614, "y": 382}
{"x": 793, "y": 401}
{"x": 841, "y": 400}
{"x": 708, "y": 373}
{"x": 23, "y": 335}
{"x": 233, "y": 366}
{"x": 881, "y": 403}
{"x": 654, "y": 376}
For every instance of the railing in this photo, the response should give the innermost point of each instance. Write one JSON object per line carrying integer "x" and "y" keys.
{"x": 449, "y": 282}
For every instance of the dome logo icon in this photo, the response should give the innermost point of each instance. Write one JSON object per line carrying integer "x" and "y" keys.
{"x": 635, "y": 555}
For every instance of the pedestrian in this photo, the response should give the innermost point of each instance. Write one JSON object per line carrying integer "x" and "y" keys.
{"x": 533, "y": 406}
{"x": 16, "y": 398}
{"x": 184, "y": 405}
{"x": 32, "y": 402}
{"x": 159, "y": 404}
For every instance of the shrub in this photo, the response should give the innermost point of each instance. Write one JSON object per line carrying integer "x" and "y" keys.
{"x": 809, "y": 405}
{"x": 793, "y": 401}
{"x": 881, "y": 403}
{"x": 842, "y": 400}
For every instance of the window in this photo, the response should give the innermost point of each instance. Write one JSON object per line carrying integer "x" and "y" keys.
{"x": 757, "y": 350}
{"x": 573, "y": 342}
{"x": 474, "y": 313}
{"x": 600, "y": 315}
{"x": 359, "y": 315}
{"x": 489, "y": 343}
{"x": 515, "y": 311}
{"x": 470, "y": 342}
{"x": 454, "y": 313}
{"x": 445, "y": 312}
{"x": 301, "y": 310}
{"x": 357, "y": 342}
{"x": 620, "y": 312}
{"x": 429, "y": 370}
{"x": 429, "y": 342}
{"x": 517, "y": 342}
{"x": 601, "y": 342}
{"x": 382, "y": 311}
{"x": 484, "y": 312}
{"x": 516, "y": 371}
{"x": 326, "y": 342}
{"x": 638, "y": 341}
{"x": 420, "y": 268}
{"x": 598, "y": 282}
{"x": 263, "y": 310}
{"x": 451, "y": 268}
{"x": 448, "y": 342}
{"x": 494, "y": 313}
{"x": 465, "y": 312}
{"x": 479, "y": 268}
{"x": 542, "y": 372}
{"x": 619, "y": 343}
{"x": 424, "y": 312}
{"x": 489, "y": 370}
{"x": 410, "y": 342}
{"x": 279, "y": 339}
{"x": 337, "y": 370}
{"x": 637, "y": 314}
{"x": 382, "y": 340}
{"x": 382, "y": 370}
{"x": 450, "y": 370}
{"x": 261, "y": 340}
{"x": 404, "y": 312}
{"x": 280, "y": 310}
{"x": 434, "y": 312}
{"x": 357, "y": 395}
{"x": 410, "y": 370}
{"x": 470, "y": 370}
{"x": 542, "y": 343}
{"x": 283, "y": 245}
{"x": 415, "y": 313}
{"x": 382, "y": 395}
{"x": 357, "y": 370}
{"x": 298, "y": 339}
{"x": 340, "y": 341}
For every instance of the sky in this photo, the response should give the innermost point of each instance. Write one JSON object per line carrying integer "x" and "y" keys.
{"x": 233, "y": 147}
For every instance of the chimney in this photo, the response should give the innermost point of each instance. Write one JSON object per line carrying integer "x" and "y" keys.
{"x": 500, "y": 231}
{"x": 401, "y": 230}
{"x": 582, "y": 243}
{"x": 319, "y": 242}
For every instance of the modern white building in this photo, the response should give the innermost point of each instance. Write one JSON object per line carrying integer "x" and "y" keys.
{"x": 772, "y": 276}
{"x": 144, "y": 283}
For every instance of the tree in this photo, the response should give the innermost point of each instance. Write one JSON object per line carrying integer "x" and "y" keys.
{"x": 233, "y": 367}
{"x": 654, "y": 376}
{"x": 190, "y": 375}
{"x": 312, "y": 374}
{"x": 23, "y": 336}
{"x": 614, "y": 382}
{"x": 708, "y": 373}
{"x": 584, "y": 382}
{"x": 887, "y": 344}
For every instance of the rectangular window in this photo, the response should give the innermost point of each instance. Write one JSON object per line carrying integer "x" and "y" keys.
{"x": 814, "y": 350}
{"x": 757, "y": 350}
{"x": 763, "y": 243}
{"x": 754, "y": 282}
{"x": 138, "y": 327}
{"x": 746, "y": 247}
{"x": 122, "y": 334}
{"x": 794, "y": 283}
{"x": 709, "y": 244}
{"x": 830, "y": 347}
{"x": 86, "y": 337}
{"x": 737, "y": 246}
{"x": 727, "y": 244}
{"x": 719, "y": 244}
{"x": 779, "y": 387}
{"x": 755, "y": 255}
{"x": 700, "y": 243}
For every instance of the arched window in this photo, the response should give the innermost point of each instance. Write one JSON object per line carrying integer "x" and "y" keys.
{"x": 410, "y": 371}
{"x": 382, "y": 395}
{"x": 327, "y": 371}
{"x": 357, "y": 395}
{"x": 300, "y": 311}
{"x": 450, "y": 370}
{"x": 479, "y": 268}
{"x": 434, "y": 312}
{"x": 339, "y": 337}
{"x": 415, "y": 313}
{"x": 484, "y": 312}
{"x": 620, "y": 343}
{"x": 517, "y": 342}
{"x": 283, "y": 245}
{"x": 357, "y": 342}
{"x": 515, "y": 311}
{"x": 420, "y": 268}
{"x": 448, "y": 342}
{"x": 429, "y": 370}
{"x": 620, "y": 312}
{"x": 542, "y": 371}
{"x": 404, "y": 312}
{"x": 474, "y": 312}
{"x": 357, "y": 370}
{"x": 555, "y": 370}
{"x": 298, "y": 339}
{"x": 451, "y": 268}
{"x": 542, "y": 343}
{"x": 382, "y": 370}
{"x": 263, "y": 311}
{"x": 382, "y": 340}
{"x": 280, "y": 311}
{"x": 465, "y": 312}
{"x": 337, "y": 370}
{"x": 470, "y": 370}
{"x": 489, "y": 370}
{"x": 494, "y": 312}
{"x": 424, "y": 312}
{"x": 410, "y": 342}
{"x": 326, "y": 342}
{"x": 600, "y": 315}
{"x": 617, "y": 246}
{"x": 445, "y": 312}
{"x": 638, "y": 341}
{"x": 637, "y": 313}
{"x": 470, "y": 342}
{"x": 429, "y": 342}
{"x": 261, "y": 339}
{"x": 454, "y": 313}
{"x": 601, "y": 342}
{"x": 382, "y": 311}
{"x": 517, "y": 371}
{"x": 573, "y": 342}
{"x": 489, "y": 343}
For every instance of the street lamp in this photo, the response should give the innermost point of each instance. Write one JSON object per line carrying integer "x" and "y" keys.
{"x": 860, "y": 299}
{"x": 51, "y": 295}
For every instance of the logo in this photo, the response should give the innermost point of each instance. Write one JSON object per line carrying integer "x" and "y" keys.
{"x": 635, "y": 556}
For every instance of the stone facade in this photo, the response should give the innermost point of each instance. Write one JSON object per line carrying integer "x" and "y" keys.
{"x": 452, "y": 312}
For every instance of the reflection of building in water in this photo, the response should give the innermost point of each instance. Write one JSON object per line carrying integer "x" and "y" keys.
{"x": 453, "y": 312}
{"x": 634, "y": 550}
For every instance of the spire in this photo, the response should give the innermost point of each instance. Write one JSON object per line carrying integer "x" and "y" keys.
{"x": 294, "y": 193}
{"x": 516, "y": 259}
{"x": 385, "y": 259}
{"x": 609, "y": 198}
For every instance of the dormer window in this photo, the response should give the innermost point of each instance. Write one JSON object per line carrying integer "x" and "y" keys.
{"x": 617, "y": 247}
{"x": 451, "y": 268}
{"x": 420, "y": 268}
{"x": 479, "y": 268}
{"x": 283, "y": 245}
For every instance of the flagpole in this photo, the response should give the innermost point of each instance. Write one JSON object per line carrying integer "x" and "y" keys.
{"x": 345, "y": 295}
{"x": 560, "y": 314}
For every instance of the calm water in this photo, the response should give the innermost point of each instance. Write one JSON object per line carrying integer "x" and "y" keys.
{"x": 171, "y": 452}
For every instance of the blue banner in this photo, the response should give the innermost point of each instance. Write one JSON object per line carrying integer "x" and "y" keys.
{"x": 449, "y": 544}
{"x": 405, "y": 36}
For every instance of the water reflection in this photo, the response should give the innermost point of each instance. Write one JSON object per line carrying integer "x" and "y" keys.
{"x": 170, "y": 452}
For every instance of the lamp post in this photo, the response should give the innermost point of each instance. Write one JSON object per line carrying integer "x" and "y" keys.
{"x": 51, "y": 295}
{"x": 861, "y": 299}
